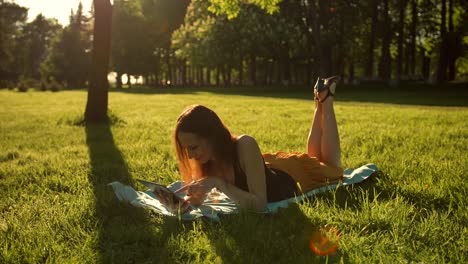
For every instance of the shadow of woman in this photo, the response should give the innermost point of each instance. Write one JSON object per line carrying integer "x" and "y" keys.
{"x": 282, "y": 237}
{"x": 126, "y": 234}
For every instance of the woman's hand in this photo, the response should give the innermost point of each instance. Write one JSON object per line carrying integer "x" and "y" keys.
{"x": 197, "y": 190}
{"x": 181, "y": 205}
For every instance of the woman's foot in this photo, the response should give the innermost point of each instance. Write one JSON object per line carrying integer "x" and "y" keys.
{"x": 325, "y": 88}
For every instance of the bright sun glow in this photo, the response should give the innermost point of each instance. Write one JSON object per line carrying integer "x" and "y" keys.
{"x": 59, "y": 9}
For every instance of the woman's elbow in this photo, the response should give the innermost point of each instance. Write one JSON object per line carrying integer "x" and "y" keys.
{"x": 260, "y": 205}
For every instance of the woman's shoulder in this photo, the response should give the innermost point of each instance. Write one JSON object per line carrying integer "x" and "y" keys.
{"x": 246, "y": 145}
{"x": 244, "y": 140}
{"x": 248, "y": 153}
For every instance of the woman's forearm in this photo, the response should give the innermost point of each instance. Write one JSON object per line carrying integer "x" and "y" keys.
{"x": 241, "y": 197}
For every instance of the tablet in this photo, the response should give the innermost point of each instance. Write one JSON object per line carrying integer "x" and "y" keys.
{"x": 174, "y": 199}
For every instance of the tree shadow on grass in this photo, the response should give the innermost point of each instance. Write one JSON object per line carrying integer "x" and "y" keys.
{"x": 126, "y": 234}
{"x": 406, "y": 94}
{"x": 282, "y": 237}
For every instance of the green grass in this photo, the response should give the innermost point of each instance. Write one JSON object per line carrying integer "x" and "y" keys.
{"x": 55, "y": 206}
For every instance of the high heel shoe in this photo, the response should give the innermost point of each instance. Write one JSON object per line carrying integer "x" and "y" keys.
{"x": 326, "y": 84}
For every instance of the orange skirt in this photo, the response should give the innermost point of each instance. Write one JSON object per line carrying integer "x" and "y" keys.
{"x": 308, "y": 171}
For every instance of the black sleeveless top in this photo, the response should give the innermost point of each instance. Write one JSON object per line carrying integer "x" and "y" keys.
{"x": 279, "y": 184}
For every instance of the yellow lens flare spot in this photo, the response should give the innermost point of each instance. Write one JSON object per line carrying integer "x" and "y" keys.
{"x": 324, "y": 241}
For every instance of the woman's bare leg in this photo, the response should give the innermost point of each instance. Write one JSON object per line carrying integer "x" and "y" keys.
{"x": 314, "y": 142}
{"x": 330, "y": 141}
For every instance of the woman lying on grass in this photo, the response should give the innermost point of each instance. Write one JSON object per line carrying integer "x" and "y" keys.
{"x": 210, "y": 156}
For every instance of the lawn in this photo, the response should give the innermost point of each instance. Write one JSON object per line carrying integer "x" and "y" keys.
{"x": 56, "y": 207}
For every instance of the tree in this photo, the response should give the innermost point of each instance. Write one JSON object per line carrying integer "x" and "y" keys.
{"x": 441, "y": 43}
{"x": 127, "y": 55}
{"x": 96, "y": 106}
{"x": 412, "y": 46}
{"x": 205, "y": 40}
{"x": 37, "y": 38}
{"x": 253, "y": 37}
{"x": 443, "y": 53}
{"x": 12, "y": 18}
{"x": 385, "y": 58}
{"x": 232, "y": 8}
{"x": 372, "y": 38}
{"x": 457, "y": 30}
{"x": 163, "y": 17}
{"x": 401, "y": 26}
{"x": 152, "y": 23}
{"x": 69, "y": 59}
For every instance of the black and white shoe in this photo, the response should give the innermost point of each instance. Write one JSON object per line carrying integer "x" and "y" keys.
{"x": 326, "y": 84}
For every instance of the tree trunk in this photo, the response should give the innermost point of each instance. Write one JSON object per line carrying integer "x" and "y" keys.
{"x": 241, "y": 70}
{"x": 217, "y": 75}
{"x": 370, "y": 53}
{"x": 341, "y": 51}
{"x": 156, "y": 69}
{"x": 228, "y": 75}
{"x": 174, "y": 73}
{"x": 450, "y": 16}
{"x": 193, "y": 73}
{"x": 223, "y": 74}
{"x": 406, "y": 59}
{"x": 200, "y": 75}
{"x": 118, "y": 80}
{"x": 169, "y": 67}
{"x": 202, "y": 81}
{"x": 310, "y": 39}
{"x": 316, "y": 33}
{"x": 177, "y": 70}
{"x": 270, "y": 73}
{"x": 190, "y": 75}
{"x": 452, "y": 56}
{"x": 96, "y": 106}
{"x": 310, "y": 67}
{"x": 385, "y": 59}
{"x": 265, "y": 72}
{"x": 208, "y": 76}
{"x": 157, "y": 78}
{"x": 129, "y": 80}
{"x": 401, "y": 24}
{"x": 294, "y": 73}
{"x": 278, "y": 72}
{"x": 328, "y": 39}
{"x": 184, "y": 72}
{"x": 443, "y": 60}
{"x": 253, "y": 69}
{"x": 414, "y": 22}
{"x": 351, "y": 71}
{"x": 285, "y": 65}
{"x": 426, "y": 64}
{"x": 326, "y": 46}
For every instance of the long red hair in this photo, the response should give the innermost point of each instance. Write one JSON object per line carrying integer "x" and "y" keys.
{"x": 205, "y": 123}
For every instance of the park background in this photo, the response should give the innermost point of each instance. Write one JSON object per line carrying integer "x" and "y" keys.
{"x": 65, "y": 133}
